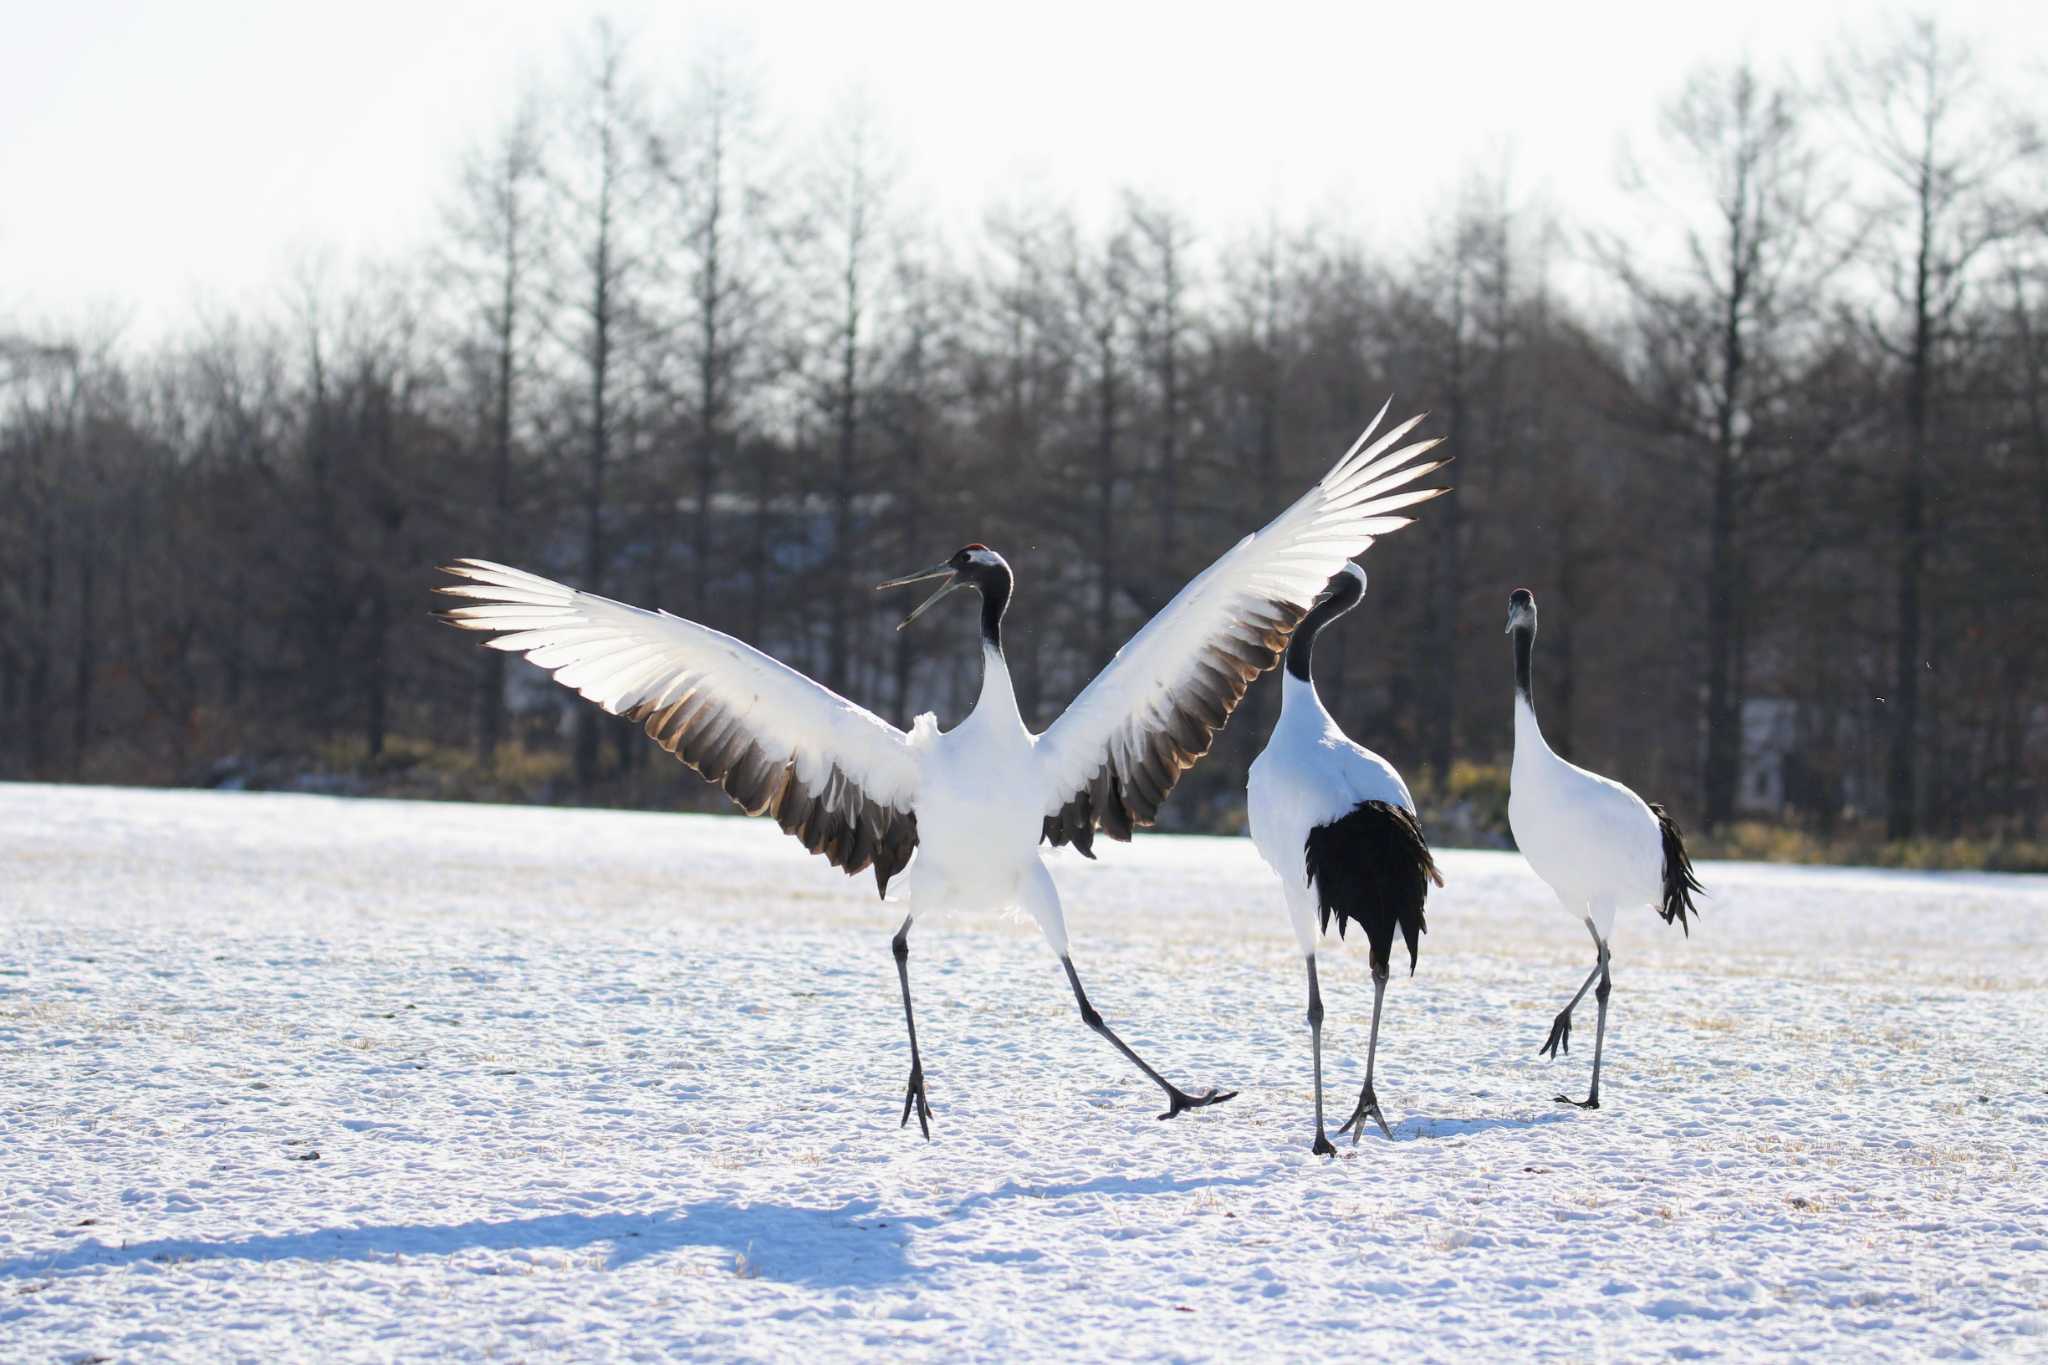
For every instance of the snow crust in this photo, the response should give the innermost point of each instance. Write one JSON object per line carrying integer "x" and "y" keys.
{"x": 287, "y": 1076}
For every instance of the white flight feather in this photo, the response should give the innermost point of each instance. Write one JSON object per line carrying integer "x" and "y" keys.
{"x": 1289, "y": 561}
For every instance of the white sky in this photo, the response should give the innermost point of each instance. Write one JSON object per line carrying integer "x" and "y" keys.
{"x": 160, "y": 158}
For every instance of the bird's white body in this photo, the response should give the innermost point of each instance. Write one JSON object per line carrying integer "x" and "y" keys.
{"x": 1309, "y": 774}
{"x": 1600, "y": 847}
{"x": 1592, "y": 840}
{"x": 980, "y": 813}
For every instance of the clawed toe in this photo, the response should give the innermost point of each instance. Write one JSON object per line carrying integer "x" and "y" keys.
{"x": 913, "y": 1098}
{"x": 1323, "y": 1146}
{"x": 1368, "y": 1107}
{"x": 1560, "y": 1036}
{"x": 1590, "y": 1102}
{"x": 1179, "y": 1100}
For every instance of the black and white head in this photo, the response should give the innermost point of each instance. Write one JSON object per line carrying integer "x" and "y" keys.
{"x": 1521, "y": 611}
{"x": 1344, "y": 589}
{"x": 971, "y": 566}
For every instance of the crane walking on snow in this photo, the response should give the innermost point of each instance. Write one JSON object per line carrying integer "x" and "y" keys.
{"x": 1597, "y": 844}
{"x": 974, "y": 802}
{"x": 1336, "y": 824}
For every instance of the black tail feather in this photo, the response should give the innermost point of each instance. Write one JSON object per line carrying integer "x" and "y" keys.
{"x": 1373, "y": 867}
{"x": 1679, "y": 881}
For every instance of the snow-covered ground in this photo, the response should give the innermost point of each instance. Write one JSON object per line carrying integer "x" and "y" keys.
{"x": 288, "y": 1076}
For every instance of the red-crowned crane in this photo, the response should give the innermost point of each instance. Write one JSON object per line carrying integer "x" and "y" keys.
{"x": 974, "y": 802}
{"x": 1599, "y": 845}
{"x": 1336, "y": 824}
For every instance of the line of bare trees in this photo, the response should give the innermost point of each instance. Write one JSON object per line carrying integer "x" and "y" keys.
{"x": 1775, "y": 454}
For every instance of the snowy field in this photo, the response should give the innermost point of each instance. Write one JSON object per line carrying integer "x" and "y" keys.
{"x": 287, "y": 1076}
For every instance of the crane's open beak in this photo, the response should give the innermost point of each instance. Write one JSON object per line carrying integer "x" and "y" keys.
{"x": 945, "y": 571}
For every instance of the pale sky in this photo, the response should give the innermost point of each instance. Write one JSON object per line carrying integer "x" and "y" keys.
{"x": 159, "y": 158}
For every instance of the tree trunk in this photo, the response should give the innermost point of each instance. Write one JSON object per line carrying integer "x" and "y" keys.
{"x": 1901, "y": 769}
{"x": 490, "y": 697}
{"x": 376, "y": 683}
{"x": 1440, "y": 721}
{"x": 84, "y": 669}
{"x": 599, "y": 457}
{"x": 1108, "y": 554}
{"x": 710, "y": 373}
{"x": 846, "y": 417}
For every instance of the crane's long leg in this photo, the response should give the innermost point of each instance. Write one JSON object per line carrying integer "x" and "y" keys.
{"x": 1368, "y": 1102}
{"x": 1592, "y": 1101}
{"x": 1176, "y": 1098}
{"x": 1322, "y": 1145}
{"x": 1561, "y": 1027}
{"x": 914, "y": 1095}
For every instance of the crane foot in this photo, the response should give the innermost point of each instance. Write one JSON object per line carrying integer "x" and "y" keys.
{"x": 1560, "y": 1036}
{"x": 1368, "y": 1107}
{"x": 913, "y": 1097}
{"x": 1177, "y": 1100}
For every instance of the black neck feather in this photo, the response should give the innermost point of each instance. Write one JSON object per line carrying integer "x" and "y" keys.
{"x": 994, "y": 586}
{"x": 1342, "y": 597}
{"x": 1525, "y": 645}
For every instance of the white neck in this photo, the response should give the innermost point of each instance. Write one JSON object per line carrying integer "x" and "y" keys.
{"x": 1300, "y": 705}
{"x": 998, "y": 701}
{"x": 1528, "y": 733}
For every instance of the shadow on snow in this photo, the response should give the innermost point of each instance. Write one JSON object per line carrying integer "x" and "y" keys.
{"x": 852, "y": 1245}
{"x": 796, "y": 1245}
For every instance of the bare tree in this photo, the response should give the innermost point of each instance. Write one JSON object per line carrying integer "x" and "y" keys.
{"x": 1156, "y": 272}
{"x": 1466, "y": 280}
{"x": 848, "y": 237}
{"x": 711, "y": 155}
{"x": 496, "y": 253}
{"x": 1942, "y": 154}
{"x": 600, "y": 189}
{"x": 1094, "y": 287}
{"x": 1738, "y": 172}
{"x": 913, "y": 395}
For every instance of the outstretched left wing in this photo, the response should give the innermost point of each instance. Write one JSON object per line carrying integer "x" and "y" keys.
{"x": 835, "y": 775}
{"x": 1112, "y": 756}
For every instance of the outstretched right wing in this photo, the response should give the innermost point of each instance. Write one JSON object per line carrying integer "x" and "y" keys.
{"x": 835, "y": 775}
{"x": 1112, "y": 756}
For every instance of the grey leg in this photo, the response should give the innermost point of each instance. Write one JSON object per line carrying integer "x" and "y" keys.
{"x": 1322, "y": 1146}
{"x": 1561, "y": 1027}
{"x": 914, "y": 1095}
{"x": 1592, "y": 1101}
{"x": 1176, "y": 1098}
{"x": 1368, "y": 1102}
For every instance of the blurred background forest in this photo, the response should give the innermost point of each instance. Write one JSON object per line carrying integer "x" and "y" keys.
{"x": 1778, "y": 473}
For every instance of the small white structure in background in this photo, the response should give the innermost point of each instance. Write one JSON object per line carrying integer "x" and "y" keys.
{"x": 1769, "y": 739}
{"x": 1798, "y": 759}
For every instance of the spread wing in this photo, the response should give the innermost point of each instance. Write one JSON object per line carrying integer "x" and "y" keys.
{"x": 835, "y": 775}
{"x": 1112, "y": 757}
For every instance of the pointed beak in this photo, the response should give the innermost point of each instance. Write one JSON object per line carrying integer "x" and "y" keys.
{"x": 1511, "y": 625}
{"x": 945, "y": 571}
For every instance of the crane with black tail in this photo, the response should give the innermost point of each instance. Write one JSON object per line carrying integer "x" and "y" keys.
{"x": 1597, "y": 844}
{"x": 1336, "y": 824}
